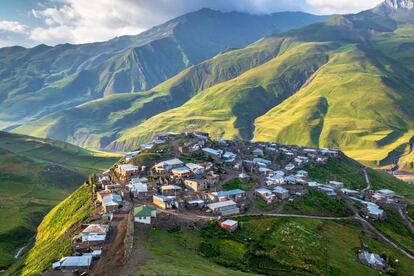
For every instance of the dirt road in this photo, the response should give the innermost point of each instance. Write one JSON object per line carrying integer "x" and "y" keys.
{"x": 114, "y": 248}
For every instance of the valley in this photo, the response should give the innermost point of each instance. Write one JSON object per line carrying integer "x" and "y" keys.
{"x": 35, "y": 175}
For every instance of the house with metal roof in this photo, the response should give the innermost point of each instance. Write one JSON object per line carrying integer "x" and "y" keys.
{"x": 229, "y": 225}
{"x": 281, "y": 192}
{"x": 110, "y": 201}
{"x": 372, "y": 260}
{"x": 165, "y": 202}
{"x": 171, "y": 190}
{"x": 73, "y": 263}
{"x": 144, "y": 214}
{"x": 211, "y": 152}
{"x": 95, "y": 233}
{"x": 181, "y": 172}
{"x": 168, "y": 165}
{"x": 266, "y": 195}
{"x": 236, "y": 195}
{"x": 224, "y": 208}
{"x": 137, "y": 189}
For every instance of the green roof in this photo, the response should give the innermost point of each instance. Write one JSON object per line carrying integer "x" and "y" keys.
{"x": 143, "y": 211}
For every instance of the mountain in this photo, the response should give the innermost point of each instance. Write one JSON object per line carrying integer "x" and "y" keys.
{"x": 35, "y": 175}
{"x": 399, "y": 10}
{"x": 38, "y": 81}
{"x": 342, "y": 83}
{"x": 96, "y": 124}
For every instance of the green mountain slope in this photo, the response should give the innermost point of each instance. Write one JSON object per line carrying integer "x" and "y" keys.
{"x": 96, "y": 123}
{"x": 35, "y": 174}
{"x": 353, "y": 103}
{"x": 228, "y": 109}
{"x": 344, "y": 83}
{"x": 55, "y": 232}
{"x": 38, "y": 81}
{"x": 341, "y": 83}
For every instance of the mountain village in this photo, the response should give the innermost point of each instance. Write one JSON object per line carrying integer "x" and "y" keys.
{"x": 188, "y": 177}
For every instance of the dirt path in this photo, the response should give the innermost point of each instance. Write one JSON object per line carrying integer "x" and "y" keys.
{"x": 292, "y": 216}
{"x": 114, "y": 248}
{"x": 367, "y": 180}
{"x": 383, "y": 238}
{"x": 406, "y": 220}
{"x": 367, "y": 224}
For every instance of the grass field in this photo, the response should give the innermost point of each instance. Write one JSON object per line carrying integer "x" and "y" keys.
{"x": 238, "y": 184}
{"x": 319, "y": 204}
{"x": 173, "y": 254}
{"x": 394, "y": 227}
{"x": 35, "y": 175}
{"x": 274, "y": 246}
{"x": 342, "y": 169}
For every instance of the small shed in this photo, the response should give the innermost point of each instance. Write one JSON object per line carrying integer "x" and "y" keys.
{"x": 229, "y": 225}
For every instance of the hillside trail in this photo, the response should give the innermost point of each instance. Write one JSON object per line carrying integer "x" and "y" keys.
{"x": 372, "y": 227}
{"x": 407, "y": 221}
{"x": 383, "y": 237}
{"x": 396, "y": 167}
{"x": 114, "y": 248}
{"x": 367, "y": 180}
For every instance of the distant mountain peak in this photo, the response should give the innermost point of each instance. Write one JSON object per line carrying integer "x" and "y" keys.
{"x": 400, "y": 4}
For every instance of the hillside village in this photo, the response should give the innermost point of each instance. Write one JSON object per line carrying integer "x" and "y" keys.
{"x": 188, "y": 176}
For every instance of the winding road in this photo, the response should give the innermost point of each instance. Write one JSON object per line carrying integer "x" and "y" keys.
{"x": 370, "y": 226}
{"x": 384, "y": 238}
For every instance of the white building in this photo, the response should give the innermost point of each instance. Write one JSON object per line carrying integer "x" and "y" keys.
{"x": 144, "y": 214}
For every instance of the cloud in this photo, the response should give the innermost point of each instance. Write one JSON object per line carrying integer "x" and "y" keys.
{"x": 341, "y": 6}
{"x": 12, "y": 27}
{"x": 82, "y": 21}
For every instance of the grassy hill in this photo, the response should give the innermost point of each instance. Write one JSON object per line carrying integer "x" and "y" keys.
{"x": 345, "y": 83}
{"x": 97, "y": 123}
{"x": 42, "y": 80}
{"x": 355, "y": 102}
{"x": 35, "y": 175}
{"x": 228, "y": 109}
{"x": 263, "y": 245}
{"x": 55, "y": 233}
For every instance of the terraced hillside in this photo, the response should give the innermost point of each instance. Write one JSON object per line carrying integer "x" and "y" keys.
{"x": 41, "y": 80}
{"x": 35, "y": 175}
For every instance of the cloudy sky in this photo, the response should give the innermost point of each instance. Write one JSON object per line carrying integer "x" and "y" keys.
{"x": 31, "y": 22}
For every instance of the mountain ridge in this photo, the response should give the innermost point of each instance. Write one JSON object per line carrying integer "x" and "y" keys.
{"x": 44, "y": 79}
{"x": 388, "y": 123}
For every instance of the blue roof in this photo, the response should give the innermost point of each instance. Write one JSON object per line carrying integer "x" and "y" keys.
{"x": 229, "y": 193}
